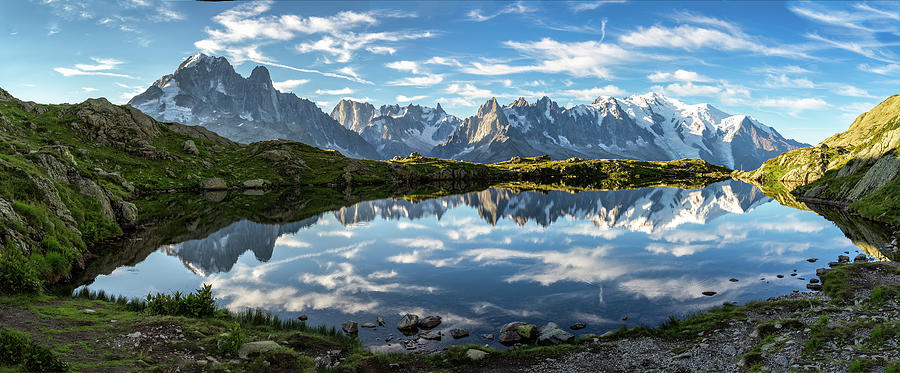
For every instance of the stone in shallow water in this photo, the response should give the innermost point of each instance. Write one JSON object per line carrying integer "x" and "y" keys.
{"x": 431, "y": 335}
{"x": 709, "y": 293}
{"x": 552, "y": 334}
{"x": 408, "y": 322}
{"x": 368, "y": 325}
{"x": 350, "y": 327}
{"x": 429, "y": 322}
{"x": 577, "y": 326}
{"x": 459, "y": 333}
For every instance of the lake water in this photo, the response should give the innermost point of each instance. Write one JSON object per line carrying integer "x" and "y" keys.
{"x": 482, "y": 259}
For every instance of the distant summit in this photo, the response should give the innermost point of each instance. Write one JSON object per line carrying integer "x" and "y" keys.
{"x": 645, "y": 127}
{"x": 206, "y": 91}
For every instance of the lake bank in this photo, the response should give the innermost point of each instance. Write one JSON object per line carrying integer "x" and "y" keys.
{"x": 850, "y": 326}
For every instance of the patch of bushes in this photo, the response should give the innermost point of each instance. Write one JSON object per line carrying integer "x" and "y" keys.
{"x": 231, "y": 341}
{"x": 17, "y": 275}
{"x": 860, "y": 365}
{"x": 197, "y": 304}
{"x": 17, "y": 350}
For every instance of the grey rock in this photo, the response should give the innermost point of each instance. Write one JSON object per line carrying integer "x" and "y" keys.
{"x": 215, "y": 183}
{"x": 127, "y": 212}
{"x": 459, "y": 333}
{"x": 350, "y": 327}
{"x": 190, "y": 147}
{"x": 429, "y": 322}
{"x": 367, "y": 325}
{"x": 709, "y": 293}
{"x": 261, "y": 346}
{"x": 408, "y": 322}
{"x": 843, "y": 259}
{"x": 577, "y": 326}
{"x": 256, "y": 183}
{"x": 821, "y": 271}
{"x": 517, "y": 332}
{"x": 861, "y": 258}
{"x": 380, "y": 321}
{"x": 488, "y": 336}
{"x": 303, "y": 318}
{"x": 552, "y": 334}
{"x": 814, "y": 287}
{"x": 475, "y": 355}
{"x": 431, "y": 335}
{"x": 813, "y": 281}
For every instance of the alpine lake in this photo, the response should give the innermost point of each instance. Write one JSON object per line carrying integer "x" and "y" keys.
{"x": 481, "y": 258}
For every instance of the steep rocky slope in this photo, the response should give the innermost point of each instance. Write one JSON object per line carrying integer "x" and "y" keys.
{"x": 207, "y": 91}
{"x": 858, "y": 166}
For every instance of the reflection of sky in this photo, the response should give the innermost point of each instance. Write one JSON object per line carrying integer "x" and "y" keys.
{"x": 585, "y": 266}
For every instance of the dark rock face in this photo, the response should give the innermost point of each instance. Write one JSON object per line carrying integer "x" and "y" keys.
{"x": 207, "y": 91}
{"x": 648, "y": 127}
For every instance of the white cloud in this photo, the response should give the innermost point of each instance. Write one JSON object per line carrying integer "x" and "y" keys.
{"x": 101, "y": 64}
{"x": 794, "y": 105}
{"x": 478, "y": 15}
{"x": 244, "y": 28}
{"x": 88, "y": 89}
{"x": 688, "y": 89}
{"x": 851, "y": 91}
{"x": 592, "y": 93}
{"x": 881, "y": 70}
{"x": 402, "y": 98}
{"x": 343, "y": 73}
{"x": 581, "y": 59}
{"x": 446, "y": 61}
{"x": 865, "y": 48}
{"x": 455, "y": 102}
{"x": 99, "y": 68}
{"x": 783, "y": 81}
{"x": 408, "y": 66}
{"x": 418, "y": 81}
{"x": 287, "y": 85}
{"x": 335, "y": 92}
{"x": 787, "y": 69}
{"x": 133, "y": 90}
{"x": 720, "y": 36}
{"x": 468, "y": 91}
{"x": 678, "y": 75}
{"x": 857, "y": 107}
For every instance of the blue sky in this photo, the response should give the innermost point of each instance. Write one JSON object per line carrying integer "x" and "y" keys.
{"x": 805, "y": 68}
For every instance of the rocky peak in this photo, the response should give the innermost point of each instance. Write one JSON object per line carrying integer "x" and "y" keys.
{"x": 519, "y": 102}
{"x": 439, "y": 109}
{"x": 260, "y": 74}
{"x": 5, "y": 96}
{"x": 489, "y": 107}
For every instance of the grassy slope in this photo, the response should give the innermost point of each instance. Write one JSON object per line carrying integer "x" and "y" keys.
{"x": 858, "y": 166}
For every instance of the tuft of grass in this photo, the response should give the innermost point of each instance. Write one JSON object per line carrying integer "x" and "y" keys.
{"x": 860, "y": 365}
{"x": 18, "y": 351}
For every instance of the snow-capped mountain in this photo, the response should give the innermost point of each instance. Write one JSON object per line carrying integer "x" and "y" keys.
{"x": 626, "y": 209}
{"x": 394, "y": 130}
{"x": 207, "y": 91}
{"x": 646, "y": 127}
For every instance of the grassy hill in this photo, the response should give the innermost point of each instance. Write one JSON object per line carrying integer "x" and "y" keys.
{"x": 858, "y": 167}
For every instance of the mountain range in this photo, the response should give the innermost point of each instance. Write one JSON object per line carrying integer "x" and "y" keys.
{"x": 207, "y": 91}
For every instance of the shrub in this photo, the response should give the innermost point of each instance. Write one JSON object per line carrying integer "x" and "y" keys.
{"x": 17, "y": 349}
{"x": 230, "y": 342}
{"x": 198, "y": 304}
{"x": 17, "y": 276}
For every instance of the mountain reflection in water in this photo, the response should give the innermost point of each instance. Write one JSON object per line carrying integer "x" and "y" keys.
{"x": 485, "y": 258}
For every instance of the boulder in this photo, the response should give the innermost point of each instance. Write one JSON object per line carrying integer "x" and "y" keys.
{"x": 711, "y": 293}
{"x": 821, "y": 271}
{"x": 350, "y": 327}
{"x": 577, "y": 326}
{"x": 814, "y": 287}
{"x": 409, "y": 321}
{"x": 367, "y": 325}
{"x": 215, "y": 183}
{"x": 843, "y": 259}
{"x": 380, "y": 321}
{"x": 431, "y": 335}
{"x": 861, "y": 258}
{"x": 303, "y": 318}
{"x": 429, "y": 322}
{"x": 256, "y": 183}
{"x": 261, "y": 346}
{"x": 459, "y": 333}
{"x": 475, "y": 355}
{"x": 127, "y": 212}
{"x": 517, "y": 332}
{"x": 552, "y": 334}
{"x": 190, "y": 147}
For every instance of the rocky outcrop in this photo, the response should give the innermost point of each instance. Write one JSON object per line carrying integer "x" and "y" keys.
{"x": 859, "y": 166}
